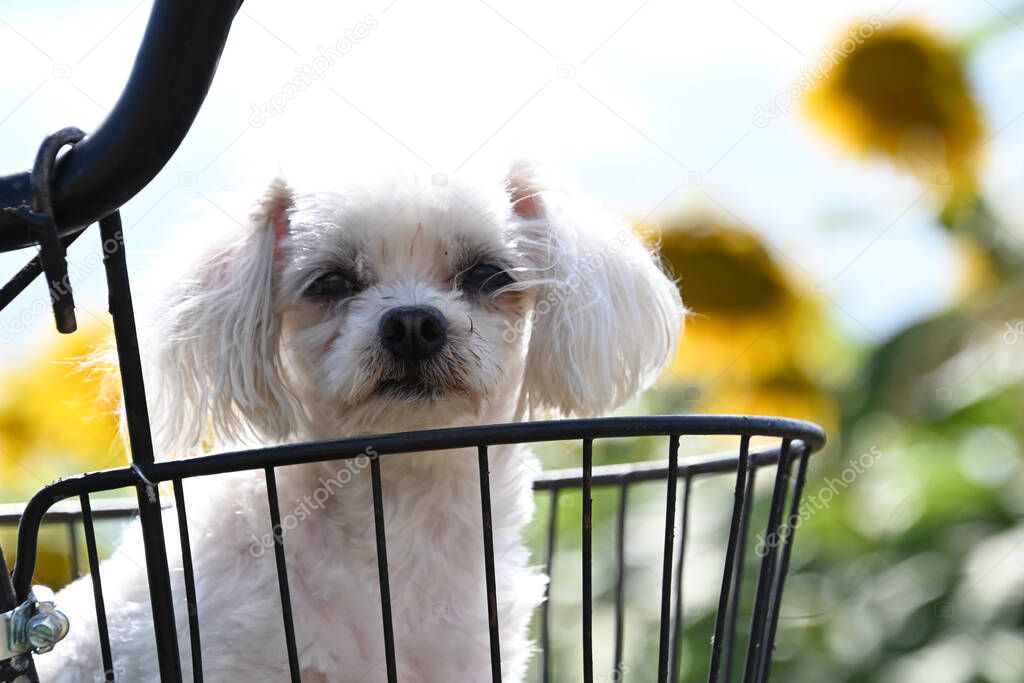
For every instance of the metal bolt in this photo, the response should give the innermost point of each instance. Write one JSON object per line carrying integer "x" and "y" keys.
{"x": 46, "y": 629}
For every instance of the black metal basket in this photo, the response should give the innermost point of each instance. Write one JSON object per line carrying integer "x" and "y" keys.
{"x": 796, "y": 441}
{"x": 53, "y": 204}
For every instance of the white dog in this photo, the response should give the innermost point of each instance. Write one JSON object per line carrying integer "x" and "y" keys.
{"x": 375, "y": 309}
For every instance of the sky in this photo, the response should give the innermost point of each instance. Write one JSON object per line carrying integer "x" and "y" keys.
{"x": 652, "y": 107}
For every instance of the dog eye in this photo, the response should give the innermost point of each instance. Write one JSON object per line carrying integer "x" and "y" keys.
{"x": 333, "y": 285}
{"x": 485, "y": 277}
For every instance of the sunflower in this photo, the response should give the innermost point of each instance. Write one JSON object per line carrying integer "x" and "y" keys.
{"x": 56, "y": 417}
{"x": 757, "y": 331}
{"x": 902, "y": 92}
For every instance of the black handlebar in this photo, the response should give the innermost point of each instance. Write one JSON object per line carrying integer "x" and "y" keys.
{"x": 168, "y": 83}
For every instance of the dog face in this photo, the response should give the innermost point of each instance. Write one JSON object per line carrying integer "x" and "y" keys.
{"x": 396, "y": 304}
{"x": 399, "y": 306}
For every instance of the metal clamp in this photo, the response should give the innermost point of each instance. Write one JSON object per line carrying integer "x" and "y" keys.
{"x": 40, "y": 220}
{"x": 33, "y": 626}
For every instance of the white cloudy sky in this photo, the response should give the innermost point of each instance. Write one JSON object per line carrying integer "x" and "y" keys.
{"x": 648, "y": 105}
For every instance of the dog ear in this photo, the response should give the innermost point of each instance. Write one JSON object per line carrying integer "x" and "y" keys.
{"x": 607, "y": 318}
{"x": 217, "y": 341}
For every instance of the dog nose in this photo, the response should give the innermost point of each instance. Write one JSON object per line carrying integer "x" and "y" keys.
{"x": 413, "y": 332}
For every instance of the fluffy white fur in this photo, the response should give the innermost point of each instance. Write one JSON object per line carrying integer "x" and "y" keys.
{"x": 243, "y": 355}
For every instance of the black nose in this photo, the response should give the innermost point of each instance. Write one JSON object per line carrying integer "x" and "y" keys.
{"x": 413, "y": 332}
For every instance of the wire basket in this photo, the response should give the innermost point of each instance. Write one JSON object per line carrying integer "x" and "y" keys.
{"x": 795, "y": 441}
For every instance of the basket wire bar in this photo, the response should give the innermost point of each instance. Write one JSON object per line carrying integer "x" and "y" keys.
{"x": 382, "y": 571}
{"x": 492, "y": 590}
{"x": 76, "y": 570}
{"x": 545, "y": 614}
{"x": 666, "y": 557}
{"x": 620, "y": 575}
{"x": 677, "y": 632}
{"x": 97, "y": 589}
{"x": 277, "y": 531}
{"x": 588, "y": 564}
{"x": 733, "y": 610}
{"x": 141, "y": 443}
{"x": 787, "y": 540}
{"x": 191, "y": 602}
{"x": 739, "y": 504}
{"x": 766, "y": 578}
